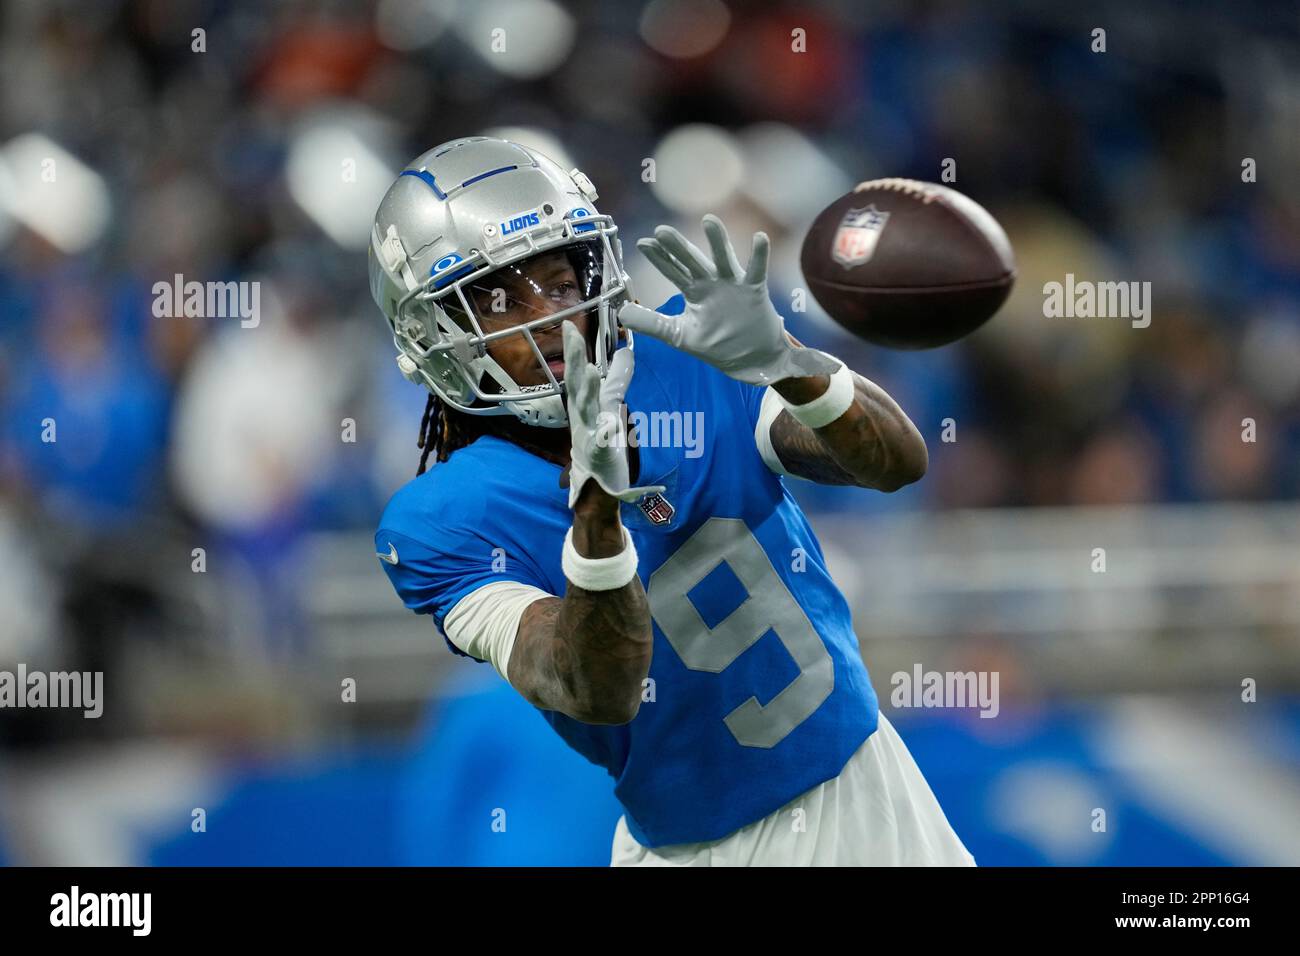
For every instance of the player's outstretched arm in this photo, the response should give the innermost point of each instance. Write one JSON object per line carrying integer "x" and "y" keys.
{"x": 587, "y": 654}
{"x": 843, "y": 429}
{"x": 872, "y": 444}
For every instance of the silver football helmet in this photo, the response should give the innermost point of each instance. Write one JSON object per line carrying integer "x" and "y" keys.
{"x": 464, "y": 210}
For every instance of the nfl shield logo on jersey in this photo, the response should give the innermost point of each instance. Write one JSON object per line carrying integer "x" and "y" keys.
{"x": 657, "y": 508}
{"x": 856, "y": 239}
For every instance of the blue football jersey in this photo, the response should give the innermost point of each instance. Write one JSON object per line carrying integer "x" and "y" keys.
{"x": 757, "y": 687}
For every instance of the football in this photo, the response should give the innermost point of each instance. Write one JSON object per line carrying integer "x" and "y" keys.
{"x": 907, "y": 264}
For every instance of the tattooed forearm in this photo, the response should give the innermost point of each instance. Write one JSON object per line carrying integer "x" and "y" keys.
{"x": 803, "y": 454}
{"x": 587, "y": 654}
{"x": 872, "y": 445}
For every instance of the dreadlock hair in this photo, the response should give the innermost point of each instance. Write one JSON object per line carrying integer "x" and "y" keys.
{"x": 442, "y": 431}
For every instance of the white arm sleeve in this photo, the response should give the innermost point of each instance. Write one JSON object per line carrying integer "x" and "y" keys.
{"x": 484, "y": 622}
{"x": 767, "y": 413}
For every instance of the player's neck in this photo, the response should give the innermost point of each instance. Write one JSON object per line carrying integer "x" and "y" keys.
{"x": 551, "y": 444}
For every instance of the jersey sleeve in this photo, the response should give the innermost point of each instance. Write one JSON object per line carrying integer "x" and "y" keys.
{"x": 432, "y": 579}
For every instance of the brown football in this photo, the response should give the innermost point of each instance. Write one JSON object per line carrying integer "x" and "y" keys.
{"x": 907, "y": 264}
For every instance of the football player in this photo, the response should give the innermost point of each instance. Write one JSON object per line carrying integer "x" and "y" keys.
{"x": 664, "y": 604}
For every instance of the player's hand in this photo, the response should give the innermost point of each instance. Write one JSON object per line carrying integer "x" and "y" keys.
{"x": 596, "y": 424}
{"x": 729, "y": 320}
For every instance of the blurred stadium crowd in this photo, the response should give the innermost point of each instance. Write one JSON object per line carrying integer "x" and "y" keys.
{"x": 257, "y": 148}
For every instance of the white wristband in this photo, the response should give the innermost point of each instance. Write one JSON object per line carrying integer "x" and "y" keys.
{"x": 599, "y": 574}
{"x": 829, "y": 405}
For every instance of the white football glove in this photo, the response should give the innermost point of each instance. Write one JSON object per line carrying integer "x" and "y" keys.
{"x": 729, "y": 320}
{"x": 596, "y": 426}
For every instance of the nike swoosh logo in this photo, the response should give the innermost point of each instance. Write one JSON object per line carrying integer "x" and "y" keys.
{"x": 390, "y": 557}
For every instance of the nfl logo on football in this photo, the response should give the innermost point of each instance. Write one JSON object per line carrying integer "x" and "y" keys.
{"x": 855, "y": 240}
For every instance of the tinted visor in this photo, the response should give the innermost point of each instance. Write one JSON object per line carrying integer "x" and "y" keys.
{"x": 531, "y": 288}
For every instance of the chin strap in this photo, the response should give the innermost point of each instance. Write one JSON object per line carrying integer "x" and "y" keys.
{"x": 545, "y": 412}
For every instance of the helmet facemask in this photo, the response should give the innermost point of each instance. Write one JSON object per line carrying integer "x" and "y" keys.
{"x": 444, "y": 327}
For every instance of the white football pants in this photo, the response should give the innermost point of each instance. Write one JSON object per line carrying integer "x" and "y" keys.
{"x": 878, "y": 812}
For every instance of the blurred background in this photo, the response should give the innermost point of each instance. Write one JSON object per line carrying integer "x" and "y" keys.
{"x": 242, "y": 141}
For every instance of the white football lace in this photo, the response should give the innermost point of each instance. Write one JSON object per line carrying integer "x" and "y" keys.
{"x": 909, "y": 187}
